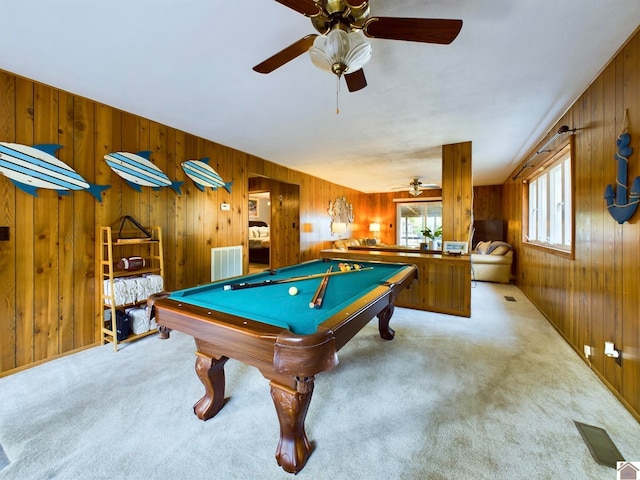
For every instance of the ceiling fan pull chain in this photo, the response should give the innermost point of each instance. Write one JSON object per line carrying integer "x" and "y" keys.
{"x": 337, "y": 94}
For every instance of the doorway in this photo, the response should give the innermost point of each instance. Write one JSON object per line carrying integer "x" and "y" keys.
{"x": 259, "y": 231}
{"x": 284, "y": 219}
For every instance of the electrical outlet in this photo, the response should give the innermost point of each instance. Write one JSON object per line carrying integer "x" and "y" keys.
{"x": 588, "y": 351}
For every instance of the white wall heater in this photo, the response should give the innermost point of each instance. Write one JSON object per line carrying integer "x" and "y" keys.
{"x": 226, "y": 262}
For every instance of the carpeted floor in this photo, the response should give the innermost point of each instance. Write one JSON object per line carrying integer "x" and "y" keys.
{"x": 493, "y": 396}
{"x": 4, "y": 461}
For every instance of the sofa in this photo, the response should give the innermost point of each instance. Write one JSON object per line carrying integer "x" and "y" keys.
{"x": 344, "y": 244}
{"x": 491, "y": 262}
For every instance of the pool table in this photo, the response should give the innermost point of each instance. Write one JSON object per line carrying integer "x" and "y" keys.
{"x": 280, "y": 334}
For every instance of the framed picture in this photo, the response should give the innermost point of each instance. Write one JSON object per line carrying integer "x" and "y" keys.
{"x": 253, "y": 207}
{"x": 456, "y": 248}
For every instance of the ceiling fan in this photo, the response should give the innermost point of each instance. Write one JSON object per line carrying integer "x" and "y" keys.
{"x": 416, "y": 187}
{"x": 341, "y": 47}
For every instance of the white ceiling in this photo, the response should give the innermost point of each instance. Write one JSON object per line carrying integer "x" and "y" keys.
{"x": 515, "y": 68}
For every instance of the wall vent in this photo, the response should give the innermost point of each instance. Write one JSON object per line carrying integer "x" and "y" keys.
{"x": 226, "y": 262}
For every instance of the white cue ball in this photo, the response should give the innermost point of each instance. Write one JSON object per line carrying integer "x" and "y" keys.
{"x": 293, "y": 291}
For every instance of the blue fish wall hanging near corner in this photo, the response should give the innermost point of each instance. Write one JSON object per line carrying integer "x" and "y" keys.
{"x": 204, "y": 176}
{"x": 31, "y": 168}
{"x": 623, "y": 204}
{"x": 138, "y": 171}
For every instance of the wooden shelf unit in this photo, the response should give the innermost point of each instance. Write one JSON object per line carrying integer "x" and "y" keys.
{"x": 111, "y": 250}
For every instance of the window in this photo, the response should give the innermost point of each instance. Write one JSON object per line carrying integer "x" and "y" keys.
{"x": 549, "y": 215}
{"x": 413, "y": 217}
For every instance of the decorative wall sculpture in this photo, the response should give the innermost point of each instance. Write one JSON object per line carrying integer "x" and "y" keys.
{"x": 137, "y": 171}
{"x": 621, "y": 205}
{"x": 341, "y": 214}
{"x": 203, "y": 175}
{"x": 30, "y": 168}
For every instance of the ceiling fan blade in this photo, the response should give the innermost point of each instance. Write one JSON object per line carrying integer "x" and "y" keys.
{"x": 355, "y": 80}
{"x": 427, "y": 30}
{"x": 286, "y": 55}
{"x": 306, "y": 7}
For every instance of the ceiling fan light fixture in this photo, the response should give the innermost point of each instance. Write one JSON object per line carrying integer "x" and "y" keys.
{"x": 415, "y": 191}
{"x": 340, "y": 52}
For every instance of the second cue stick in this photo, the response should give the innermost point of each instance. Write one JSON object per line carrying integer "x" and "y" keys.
{"x": 318, "y": 297}
{"x": 239, "y": 286}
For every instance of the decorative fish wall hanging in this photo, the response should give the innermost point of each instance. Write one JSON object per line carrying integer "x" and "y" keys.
{"x": 30, "y": 168}
{"x": 137, "y": 171}
{"x": 622, "y": 206}
{"x": 204, "y": 176}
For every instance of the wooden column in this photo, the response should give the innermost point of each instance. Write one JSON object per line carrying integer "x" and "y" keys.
{"x": 457, "y": 192}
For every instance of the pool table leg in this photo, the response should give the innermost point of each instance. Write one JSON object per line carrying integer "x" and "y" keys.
{"x": 210, "y": 371}
{"x": 384, "y": 317}
{"x": 291, "y": 405}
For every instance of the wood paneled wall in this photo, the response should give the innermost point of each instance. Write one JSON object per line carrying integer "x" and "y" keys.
{"x": 457, "y": 192}
{"x": 596, "y": 296}
{"x": 48, "y": 303}
{"x": 488, "y": 203}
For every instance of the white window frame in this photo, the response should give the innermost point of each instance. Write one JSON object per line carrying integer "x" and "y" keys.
{"x": 548, "y": 217}
{"x": 408, "y": 235}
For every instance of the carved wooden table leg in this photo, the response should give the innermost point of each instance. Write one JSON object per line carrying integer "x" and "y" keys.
{"x": 294, "y": 448}
{"x": 384, "y": 317}
{"x": 211, "y": 373}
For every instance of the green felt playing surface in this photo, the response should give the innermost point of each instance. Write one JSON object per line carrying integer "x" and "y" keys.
{"x": 273, "y": 305}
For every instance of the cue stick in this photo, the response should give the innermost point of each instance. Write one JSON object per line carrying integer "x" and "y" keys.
{"x": 239, "y": 286}
{"x": 318, "y": 297}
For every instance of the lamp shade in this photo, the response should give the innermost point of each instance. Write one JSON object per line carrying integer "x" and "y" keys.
{"x": 339, "y": 52}
{"x": 338, "y": 227}
{"x": 374, "y": 227}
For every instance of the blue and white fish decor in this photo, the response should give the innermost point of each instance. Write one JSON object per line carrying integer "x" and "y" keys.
{"x": 137, "y": 171}
{"x": 30, "y": 168}
{"x": 204, "y": 176}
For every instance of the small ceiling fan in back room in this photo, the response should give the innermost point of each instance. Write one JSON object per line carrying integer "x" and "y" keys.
{"x": 341, "y": 47}
{"x": 416, "y": 187}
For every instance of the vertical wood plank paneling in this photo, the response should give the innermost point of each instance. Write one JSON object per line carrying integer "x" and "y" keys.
{"x": 583, "y": 200}
{"x": 108, "y": 139}
{"x": 628, "y": 332}
{"x": 615, "y": 326}
{"x": 46, "y": 234}
{"x": 179, "y": 250}
{"x": 603, "y": 328}
{"x": 487, "y": 203}
{"x": 192, "y": 214}
{"x": 25, "y": 233}
{"x": 84, "y": 206}
{"x": 8, "y": 293}
{"x": 158, "y": 198}
{"x": 457, "y": 192}
{"x": 591, "y": 334}
{"x": 66, "y": 235}
{"x": 214, "y": 223}
{"x": 595, "y": 297}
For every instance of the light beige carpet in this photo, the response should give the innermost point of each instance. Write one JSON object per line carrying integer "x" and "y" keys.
{"x": 493, "y": 396}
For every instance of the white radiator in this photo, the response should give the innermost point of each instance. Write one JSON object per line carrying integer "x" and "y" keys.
{"x": 226, "y": 262}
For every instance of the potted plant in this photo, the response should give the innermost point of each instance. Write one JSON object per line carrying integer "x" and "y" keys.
{"x": 430, "y": 236}
{"x": 437, "y": 238}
